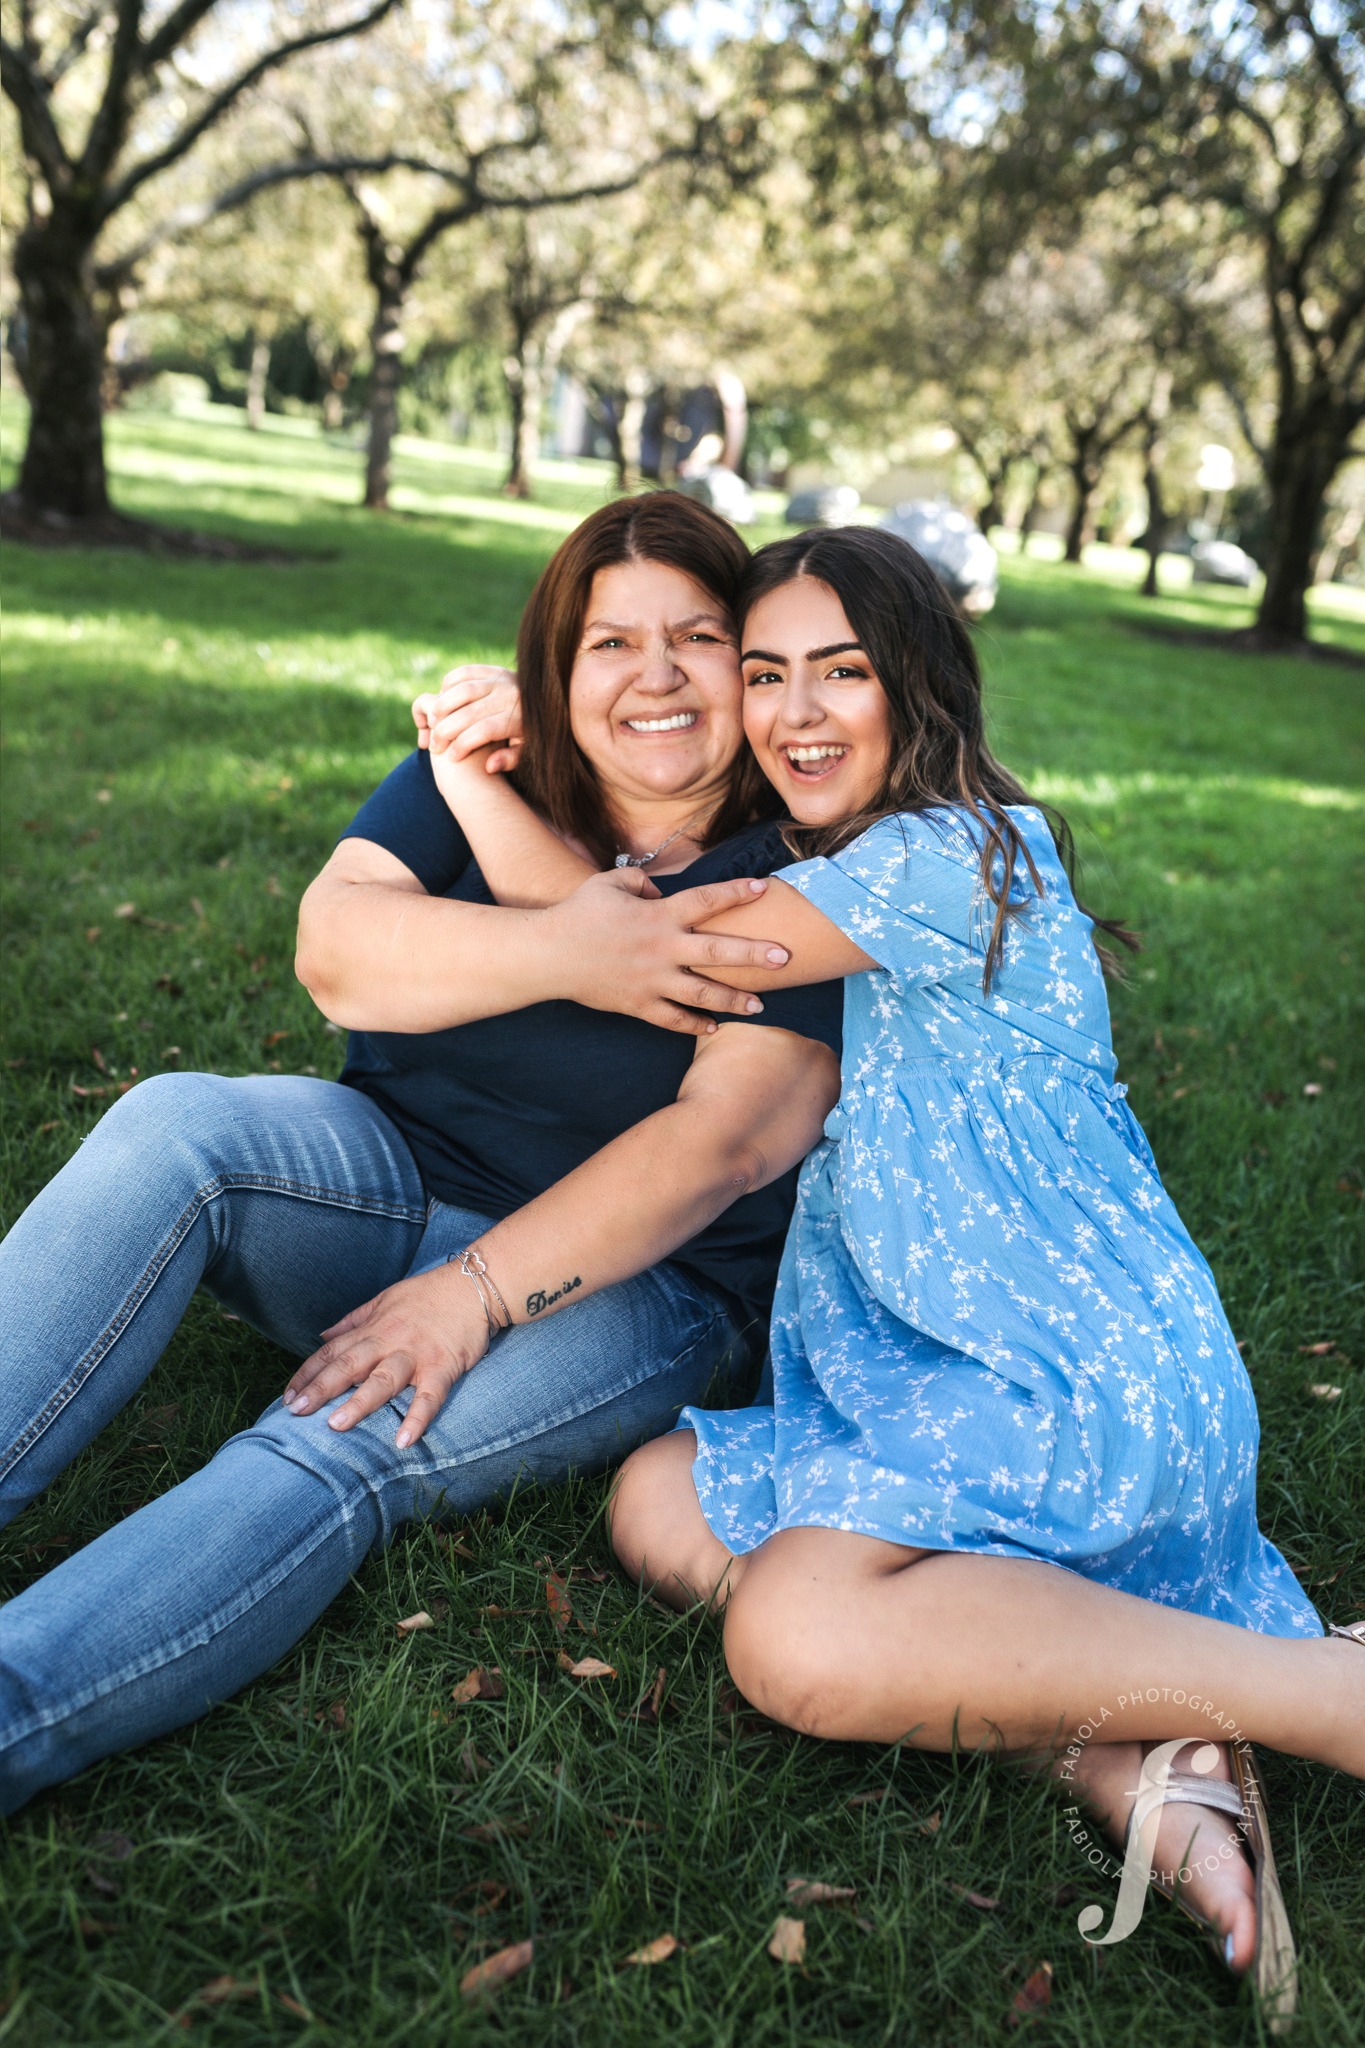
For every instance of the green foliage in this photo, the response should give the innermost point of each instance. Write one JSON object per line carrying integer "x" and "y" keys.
{"x": 236, "y": 714}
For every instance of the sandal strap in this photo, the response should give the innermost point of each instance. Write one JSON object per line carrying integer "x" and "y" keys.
{"x": 1353, "y": 1632}
{"x": 1183, "y": 1788}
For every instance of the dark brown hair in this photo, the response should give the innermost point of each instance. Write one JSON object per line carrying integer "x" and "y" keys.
{"x": 554, "y": 774}
{"x": 917, "y": 641}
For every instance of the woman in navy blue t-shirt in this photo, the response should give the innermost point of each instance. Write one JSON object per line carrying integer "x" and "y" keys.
{"x": 496, "y": 1053}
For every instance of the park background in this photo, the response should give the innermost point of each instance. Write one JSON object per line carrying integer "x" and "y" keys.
{"x": 323, "y": 326}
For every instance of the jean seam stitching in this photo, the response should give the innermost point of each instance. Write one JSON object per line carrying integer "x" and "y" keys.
{"x": 156, "y": 1266}
{"x": 201, "y": 1636}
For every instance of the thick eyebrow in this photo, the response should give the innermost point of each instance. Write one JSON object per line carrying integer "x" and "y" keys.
{"x": 812, "y": 654}
{"x": 678, "y": 626}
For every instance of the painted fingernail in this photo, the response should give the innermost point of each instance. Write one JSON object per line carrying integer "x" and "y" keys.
{"x": 778, "y": 956}
{"x": 753, "y": 1006}
{"x": 1228, "y": 1946}
{"x": 758, "y": 887}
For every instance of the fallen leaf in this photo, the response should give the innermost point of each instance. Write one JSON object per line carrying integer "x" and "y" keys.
{"x": 932, "y": 1824}
{"x": 497, "y": 1969}
{"x": 47, "y": 1127}
{"x": 558, "y": 1602}
{"x": 1312, "y": 1087}
{"x": 1322, "y": 1391}
{"x": 414, "y": 1622}
{"x": 336, "y": 1713}
{"x": 197, "y": 907}
{"x": 488, "y": 1891}
{"x": 168, "y": 985}
{"x": 93, "y": 1094}
{"x": 496, "y": 1830}
{"x": 300, "y": 2012}
{"x": 495, "y": 1613}
{"x": 788, "y": 1942}
{"x": 170, "y": 1052}
{"x": 97, "y": 1059}
{"x": 1323, "y": 1350}
{"x": 652, "y": 1705}
{"x": 657, "y": 1951}
{"x": 484, "y": 1682}
{"x": 125, "y": 910}
{"x": 1066, "y": 1894}
{"x": 586, "y": 1667}
{"x": 457, "y": 1548}
{"x": 273, "y": 1038}
{"x": 1033, "y": 1995}
{"x": 92, "y": 932}
{"x": 813, "y": 1892}
{"x": 472, "y": 1765}
{"x": 980, "y": 1900}
{"x": 225, "y": 1991}
{"x": 868, "y": 1798}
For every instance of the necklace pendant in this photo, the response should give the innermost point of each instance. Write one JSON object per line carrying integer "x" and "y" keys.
{"x": 632, "y": 860}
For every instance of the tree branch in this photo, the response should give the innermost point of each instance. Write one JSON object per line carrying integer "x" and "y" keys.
{"x": 109, "y": 125}
{"x": 26, "y": 90}
{"x": 80, "y": 36}
{"x": 220, "y": 102}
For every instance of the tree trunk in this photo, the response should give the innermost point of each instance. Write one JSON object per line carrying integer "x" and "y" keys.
{"x": 63, "y": 468}
{"x": 522, "y": 372}
{"x": 386, "y": 373}
{"x": 1310, "y": 444}
{"x": 1085, "y": 483}
{"x": 256, "y": 381}
{"x": 1157, "y": 521}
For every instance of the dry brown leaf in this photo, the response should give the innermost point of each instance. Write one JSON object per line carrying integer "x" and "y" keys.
{"x": 1033, "y": 1996}
{"x": 484, "y": 1682}
{"x": 1323, "y": 1350}
{"x": 652, "y": 1705}
{"x": 496, "y": 1970}
{"x": 225, "y": 1991}
{"x": 125, "y": 910}
{"x": 472, "y": 1765}
{"x": 788, "y": 1942}
{"x": 558, "y": 1602}
{"x": 454, "y": 1544}
{"x": 414, "y": 1622}
{"x": 932, "y": 1824}
{"x": 1312, "y": 1087}
{"x": 97, "y": 1059}
{"x": 589, "y": 1667}
{"x": 274, "y": 1038}
{"x": 980, "y": 1900}
{"x": 813, "y": 1892}
{"x": 489, "y": 1893}
{"x": 496, "y": 1830}
{"x": 1322, "y": 1390}
{"x": 495, "y": 1613}
{"x": 868, "y": 1798}
{"x": 657, "y": 1951}
{"x": 300, "y": 2012}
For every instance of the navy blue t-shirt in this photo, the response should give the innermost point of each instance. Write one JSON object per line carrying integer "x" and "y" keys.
{"x": 499, "y": 1110}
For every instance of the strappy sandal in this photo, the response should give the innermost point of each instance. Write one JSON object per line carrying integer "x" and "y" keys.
{"x": 1274, "y": 1967}
{"x": 1354, "y": 1632}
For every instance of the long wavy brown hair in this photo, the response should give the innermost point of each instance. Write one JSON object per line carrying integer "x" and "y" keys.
{"x": 917, "y": 641}
{"x": 554, "y": 774}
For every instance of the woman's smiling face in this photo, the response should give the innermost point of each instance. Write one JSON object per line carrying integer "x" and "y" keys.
{"x": 654, "y": 693}
{"x": 815, "y": 713}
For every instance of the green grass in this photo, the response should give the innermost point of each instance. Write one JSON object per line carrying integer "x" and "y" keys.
{"x": 186, "y": 738}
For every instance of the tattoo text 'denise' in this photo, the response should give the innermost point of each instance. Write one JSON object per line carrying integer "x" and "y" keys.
{"x": 537, "y": 1303}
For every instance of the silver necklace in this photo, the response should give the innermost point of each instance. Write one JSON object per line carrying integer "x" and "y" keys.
{"x": 642, "y": 860}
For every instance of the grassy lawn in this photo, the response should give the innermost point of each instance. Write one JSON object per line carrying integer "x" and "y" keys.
{"x": 182, "y": 742}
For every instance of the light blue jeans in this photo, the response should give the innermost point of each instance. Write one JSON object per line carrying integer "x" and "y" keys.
{"x": 293, "y": 1201}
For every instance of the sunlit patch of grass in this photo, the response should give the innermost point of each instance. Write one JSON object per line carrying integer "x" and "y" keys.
{"x": 185, "y": 739}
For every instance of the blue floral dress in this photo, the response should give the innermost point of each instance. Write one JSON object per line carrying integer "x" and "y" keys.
{"x": 992, "y": 1332}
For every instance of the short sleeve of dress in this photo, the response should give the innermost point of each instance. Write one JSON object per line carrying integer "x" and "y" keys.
{"x": 909, "y": 892}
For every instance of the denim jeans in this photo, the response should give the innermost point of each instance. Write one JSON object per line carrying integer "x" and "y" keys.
{"x": 293, "y": 1201}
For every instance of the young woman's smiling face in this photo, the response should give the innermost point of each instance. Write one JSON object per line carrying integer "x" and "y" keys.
{"x": 814, "y": 712}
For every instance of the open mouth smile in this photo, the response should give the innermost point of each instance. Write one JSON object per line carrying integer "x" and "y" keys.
{"x": 680, "y": 721}
{"x": 814, "y": 761}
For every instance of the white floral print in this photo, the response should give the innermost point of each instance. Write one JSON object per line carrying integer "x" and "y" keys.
{"x": 992, "y": 1332}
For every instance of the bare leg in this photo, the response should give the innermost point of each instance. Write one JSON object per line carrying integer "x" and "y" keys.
{"x": 661, "y": 1537}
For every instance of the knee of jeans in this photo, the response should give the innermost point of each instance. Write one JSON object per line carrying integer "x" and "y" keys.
{"x": 174, "y": 1115}
{"x": 356, "y": 1465}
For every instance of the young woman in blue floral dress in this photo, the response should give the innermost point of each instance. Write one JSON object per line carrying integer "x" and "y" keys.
{"x": 1006, "y": 1486}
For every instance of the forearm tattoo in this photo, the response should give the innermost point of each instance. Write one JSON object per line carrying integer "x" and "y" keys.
{"x": 537, "y": 1303}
